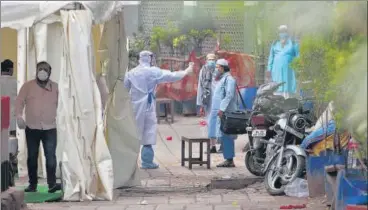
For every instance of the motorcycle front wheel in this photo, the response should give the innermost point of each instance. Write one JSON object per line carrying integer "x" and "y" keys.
{"x": 292, "y": 166}
{"x": 246, "y": 148}
{"x": 252, "y": 166}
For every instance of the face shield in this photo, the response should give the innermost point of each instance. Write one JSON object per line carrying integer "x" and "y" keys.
{"x": 146, "y": 58}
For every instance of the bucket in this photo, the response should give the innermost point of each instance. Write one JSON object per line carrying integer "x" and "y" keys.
{"x": 248, "y": 94}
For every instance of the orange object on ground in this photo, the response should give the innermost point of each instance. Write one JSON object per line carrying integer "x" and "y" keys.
{"x": 303, "y": 206}
{"x": 202, "y": 123}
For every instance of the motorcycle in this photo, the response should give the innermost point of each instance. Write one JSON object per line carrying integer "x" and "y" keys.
{"x": 264, "y": 115}
{"x": 285, "y": 160}
{"x": 259, "y": 130}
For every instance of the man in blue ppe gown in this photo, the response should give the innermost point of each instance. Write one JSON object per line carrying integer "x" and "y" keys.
{"x": 224, "y": 99}
{"x": 281, "y": 55}
{"x": 141, "y": 83}
{"x": 206, "y": 85}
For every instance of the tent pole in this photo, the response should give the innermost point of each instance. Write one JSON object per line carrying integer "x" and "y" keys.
{"x": 21, "y": 58}
{"x": 21, "y": 79}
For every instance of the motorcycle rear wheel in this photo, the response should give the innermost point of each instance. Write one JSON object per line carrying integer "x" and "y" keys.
{"x": 278, "y": 187}
{"x": 252, "y": 167}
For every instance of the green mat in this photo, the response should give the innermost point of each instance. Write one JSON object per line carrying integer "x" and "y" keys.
{"x": 41, "y": 195}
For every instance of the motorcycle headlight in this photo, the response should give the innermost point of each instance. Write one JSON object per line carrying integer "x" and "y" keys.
{"x": 298, "y": 122}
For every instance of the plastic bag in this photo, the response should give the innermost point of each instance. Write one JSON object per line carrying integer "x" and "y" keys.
{"x": 298, "y": 188}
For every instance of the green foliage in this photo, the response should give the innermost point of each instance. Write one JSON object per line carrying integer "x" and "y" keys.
{"x": 351, "y": 98}
{"x": 225, "y": 41}
{"x": 320, "y": 60}
{"x": 180, "y": 43}
{"x": 197, "y": 37}
{"x": 197, "y": 28}
{"x": 323, "y": 59}
{"x": 157, "y": 35}
{"x": 164, "y": 36}
{"x": 350, "y": 20}
{"x": 201, "y": 34}
{"x": 329, "y": 61}
{"x": 177, "y": 40}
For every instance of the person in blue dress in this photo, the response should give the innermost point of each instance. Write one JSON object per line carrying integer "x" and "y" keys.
{"x": 281, "y": 55}
{"x": 224, "y": 99}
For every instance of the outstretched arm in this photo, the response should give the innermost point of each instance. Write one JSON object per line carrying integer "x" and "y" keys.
{"x": 165, "y": 76}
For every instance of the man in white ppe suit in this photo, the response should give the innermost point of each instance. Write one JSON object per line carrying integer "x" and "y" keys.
{"x": 141, "y": 83}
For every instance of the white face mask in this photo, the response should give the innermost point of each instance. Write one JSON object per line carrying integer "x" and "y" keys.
{"x": 42, "y": 75}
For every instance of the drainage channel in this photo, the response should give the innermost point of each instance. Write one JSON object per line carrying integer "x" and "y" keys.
{"x": 233, "y": 183}
{"x": 226, "y": 184}
{"x": 163, "y": 190}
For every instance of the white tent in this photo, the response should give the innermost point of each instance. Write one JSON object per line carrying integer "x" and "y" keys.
{"x": 47, "y": 31}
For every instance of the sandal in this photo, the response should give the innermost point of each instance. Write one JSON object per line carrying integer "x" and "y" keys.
{"x": 226, "y": 164}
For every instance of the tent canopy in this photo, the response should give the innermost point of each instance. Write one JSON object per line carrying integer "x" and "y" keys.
{"x": 23, "y": 14}
{"x": 87, "y": 167}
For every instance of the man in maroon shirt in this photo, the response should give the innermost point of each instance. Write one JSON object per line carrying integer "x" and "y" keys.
{"x": 39, "y": 99}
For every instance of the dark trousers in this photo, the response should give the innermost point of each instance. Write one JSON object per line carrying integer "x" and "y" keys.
{"x": 48, "y": 138}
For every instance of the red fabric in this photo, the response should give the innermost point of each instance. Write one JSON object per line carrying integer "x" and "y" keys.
{"x": 356, "y": 207}
{"x": 242, "y": 68}
{"x": 5, "y": 112}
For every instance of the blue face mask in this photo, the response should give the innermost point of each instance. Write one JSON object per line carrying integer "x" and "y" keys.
{"x": 283, "y": 35}
{"x": 216, "y": 72}
{"x": 211, "y": 64}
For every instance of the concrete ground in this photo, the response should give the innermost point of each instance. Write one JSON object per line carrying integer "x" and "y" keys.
{"x": 172, "y": 187}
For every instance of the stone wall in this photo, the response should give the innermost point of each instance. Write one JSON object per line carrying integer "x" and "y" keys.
{"x": 232, "y": 24}
{"x": 239, "y": 26}
{"x": 157, "y": 13}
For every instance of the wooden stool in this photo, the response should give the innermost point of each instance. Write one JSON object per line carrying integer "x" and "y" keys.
{"x": 169, "y": 105}
{"x": 192, "y": 160}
